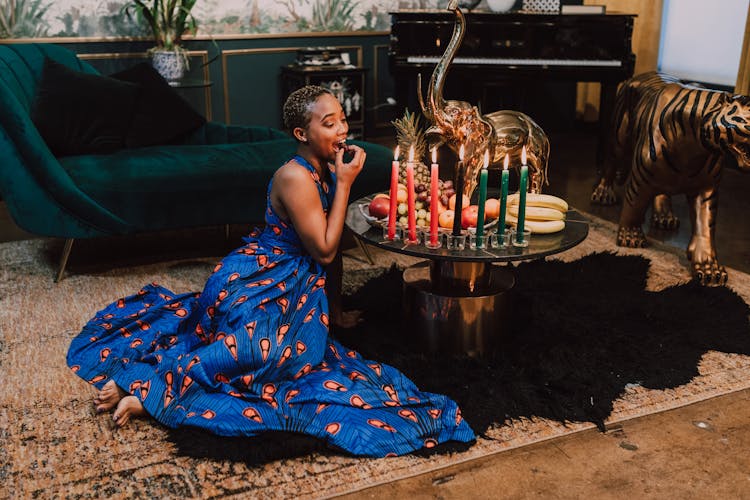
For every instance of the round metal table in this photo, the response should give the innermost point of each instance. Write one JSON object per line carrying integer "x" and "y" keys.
{"x": 456, "y": 299}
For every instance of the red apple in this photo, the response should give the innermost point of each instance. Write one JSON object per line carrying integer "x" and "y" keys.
{"x": 380, "y": 206}
{"x": 469, "y": 216}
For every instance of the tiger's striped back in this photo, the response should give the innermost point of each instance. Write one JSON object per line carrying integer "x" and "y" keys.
{"x": 666, "y": 129}
{"x": 674, "y": 138}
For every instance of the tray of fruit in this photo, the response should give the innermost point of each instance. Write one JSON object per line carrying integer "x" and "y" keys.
{"x": 544, "y": 213}
{"x": 445, "y": 223}
{"x": 376, "y": 211}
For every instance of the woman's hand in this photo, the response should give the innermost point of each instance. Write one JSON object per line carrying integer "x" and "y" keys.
{"x": 347, "y": 172}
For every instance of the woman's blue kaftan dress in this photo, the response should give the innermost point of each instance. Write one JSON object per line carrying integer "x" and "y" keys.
{"x": 251, "y": 353}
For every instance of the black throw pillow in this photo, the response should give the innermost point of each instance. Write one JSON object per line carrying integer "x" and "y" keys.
{"x": 161, "y": 115}
{"x": 79, "y": 113}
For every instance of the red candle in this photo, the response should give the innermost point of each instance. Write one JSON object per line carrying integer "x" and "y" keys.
{"x": 411, "y": 197}
{"x": 394, "y": 196}
{"x": 434, "y": 199}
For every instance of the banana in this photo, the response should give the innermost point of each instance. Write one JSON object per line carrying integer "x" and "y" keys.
{"x": 538, "y": 213}
{"x": 537, "y": 226}
{"x": 540, "y": 200}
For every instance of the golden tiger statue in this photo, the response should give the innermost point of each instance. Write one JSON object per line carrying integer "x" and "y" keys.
{"x": 670, "y": 138}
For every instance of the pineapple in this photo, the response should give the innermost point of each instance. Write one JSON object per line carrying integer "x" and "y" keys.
{"x": 409, "y": 132}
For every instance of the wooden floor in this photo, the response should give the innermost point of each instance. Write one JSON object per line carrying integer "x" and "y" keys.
{"x": 696, "y": 452}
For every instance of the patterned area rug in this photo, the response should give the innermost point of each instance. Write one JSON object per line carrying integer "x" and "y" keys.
{"x": 53, "y": 444}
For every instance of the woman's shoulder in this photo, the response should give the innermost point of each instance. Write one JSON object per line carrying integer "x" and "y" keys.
{"x": 292, "y": 172}
{"x": 292, "y": 167}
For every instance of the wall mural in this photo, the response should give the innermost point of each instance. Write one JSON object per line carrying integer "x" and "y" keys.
{"x": 81, "y": 18}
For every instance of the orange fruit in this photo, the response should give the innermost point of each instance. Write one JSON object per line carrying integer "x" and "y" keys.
{"x": 446, "y": 219}
{"x": 492, "y": 209}
{"x": 452, "y": 202}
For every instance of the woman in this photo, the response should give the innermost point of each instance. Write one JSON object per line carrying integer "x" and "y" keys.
{"x": 251, "y": 352}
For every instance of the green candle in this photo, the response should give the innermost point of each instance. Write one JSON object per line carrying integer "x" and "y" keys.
{"x": 522, "y": 197}
{"x": 503, "y": 197}
{"x": 482, "y": 198}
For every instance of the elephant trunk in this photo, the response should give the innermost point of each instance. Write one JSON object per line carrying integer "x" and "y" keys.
{"x": 435, "y": 103}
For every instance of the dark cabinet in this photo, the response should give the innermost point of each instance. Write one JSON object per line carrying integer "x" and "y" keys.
{"x": 347, "y": 83}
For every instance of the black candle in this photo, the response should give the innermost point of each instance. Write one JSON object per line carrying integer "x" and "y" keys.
{"x": 459, "y": 183}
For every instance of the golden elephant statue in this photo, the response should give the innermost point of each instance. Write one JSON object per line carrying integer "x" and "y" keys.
{"x": 457, "y": 123}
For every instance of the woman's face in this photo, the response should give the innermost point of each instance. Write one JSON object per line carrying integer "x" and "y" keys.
{"x": 328, "y": 127}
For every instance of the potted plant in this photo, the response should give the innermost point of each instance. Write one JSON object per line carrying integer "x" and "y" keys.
{"x": 168, "y": 21}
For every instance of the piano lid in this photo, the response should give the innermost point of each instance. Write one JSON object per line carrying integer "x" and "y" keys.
{"x": 514, "y": 36}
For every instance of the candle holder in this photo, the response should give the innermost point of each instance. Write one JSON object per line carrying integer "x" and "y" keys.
{"x": 498, "y": 240}
{"x": 428, "y": 244}
{"x": 455, "y": 242}
{"x": 399, "y": 234}
{"x": 523, "y": 241}
{"x": 424, "y": 238}
{"x": 478, "y": 242}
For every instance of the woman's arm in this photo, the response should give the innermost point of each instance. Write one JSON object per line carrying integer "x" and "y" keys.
{"x": 299, "y": 197}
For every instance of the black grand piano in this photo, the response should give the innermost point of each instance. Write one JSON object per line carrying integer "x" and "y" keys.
{"x": 513, "y": 54}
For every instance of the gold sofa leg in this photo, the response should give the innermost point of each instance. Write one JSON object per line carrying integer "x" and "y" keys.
{"x": 64, "y": 258}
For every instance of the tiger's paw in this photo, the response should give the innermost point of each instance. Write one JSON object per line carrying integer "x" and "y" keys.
{"x": 604, "y": 194}
{"x": 631, "y": 237}
{"x": 664, "y": 220}
{"x": 710, "y": 273}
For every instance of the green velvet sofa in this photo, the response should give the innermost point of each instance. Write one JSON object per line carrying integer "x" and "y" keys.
{"x": 218, "y": 175}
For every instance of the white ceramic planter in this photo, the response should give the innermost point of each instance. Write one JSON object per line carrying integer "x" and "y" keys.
{"x": 170, "y": 64}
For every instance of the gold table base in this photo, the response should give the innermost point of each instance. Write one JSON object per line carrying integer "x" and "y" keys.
{"x": 458, "y": 307}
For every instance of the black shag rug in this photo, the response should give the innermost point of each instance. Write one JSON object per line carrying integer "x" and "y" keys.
{"x": 580, "y": 332}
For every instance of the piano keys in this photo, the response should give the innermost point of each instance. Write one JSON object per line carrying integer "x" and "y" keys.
{"x": 496, "y": 61}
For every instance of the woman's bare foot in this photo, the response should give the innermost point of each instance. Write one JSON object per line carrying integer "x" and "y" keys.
{"x": 108, "y": 397}
{"x": 129, "y": 406}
